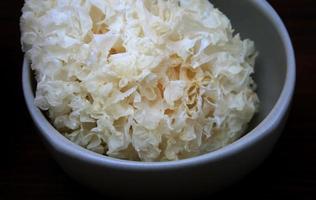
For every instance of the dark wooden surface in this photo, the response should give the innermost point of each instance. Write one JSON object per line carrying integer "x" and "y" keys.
{"x": 27, "y": 171}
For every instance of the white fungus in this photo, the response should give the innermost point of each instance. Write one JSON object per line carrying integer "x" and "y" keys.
{"x": 149, "y": 80}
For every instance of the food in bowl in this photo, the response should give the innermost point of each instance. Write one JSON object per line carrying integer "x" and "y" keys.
{"x": 148, "y": 80}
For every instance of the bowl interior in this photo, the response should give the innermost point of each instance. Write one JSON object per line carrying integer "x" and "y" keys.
{"x": 251, "y": 21}
{"x": 271, "y": 64}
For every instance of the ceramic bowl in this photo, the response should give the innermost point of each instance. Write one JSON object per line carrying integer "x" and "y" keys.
{"x": 275, "y": 76}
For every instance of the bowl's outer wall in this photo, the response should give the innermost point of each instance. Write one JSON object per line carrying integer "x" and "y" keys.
{"x": 192, "y": 181}
{"x": 252, "y": 23}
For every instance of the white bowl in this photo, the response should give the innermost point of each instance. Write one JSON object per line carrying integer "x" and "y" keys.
{"x": 275, "y": 75}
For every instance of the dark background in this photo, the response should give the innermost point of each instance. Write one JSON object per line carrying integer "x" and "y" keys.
{"x": 27, "y": 171}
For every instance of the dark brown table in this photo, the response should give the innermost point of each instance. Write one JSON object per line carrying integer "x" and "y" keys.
{"x": 27, "y": 171}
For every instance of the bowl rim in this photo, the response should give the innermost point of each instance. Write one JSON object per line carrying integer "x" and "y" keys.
{"x": 62, "y": 145}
